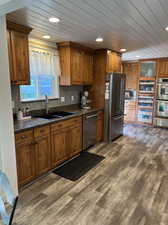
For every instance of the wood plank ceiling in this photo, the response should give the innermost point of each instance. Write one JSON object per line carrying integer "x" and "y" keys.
{"x": 137, "y": 25}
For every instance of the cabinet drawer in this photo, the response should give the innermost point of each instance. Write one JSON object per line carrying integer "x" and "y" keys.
{"x": 24, "y": 137}
{"x": 65, "y": 124}
{"x": 41, "y": 131}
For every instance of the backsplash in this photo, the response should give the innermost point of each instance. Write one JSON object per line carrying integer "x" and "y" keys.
{"x": 66, "y": 92}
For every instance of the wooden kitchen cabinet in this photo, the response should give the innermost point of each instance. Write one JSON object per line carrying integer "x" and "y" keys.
{"x": 88, "y": 69}
{"x": 42, "y": 149}
{"x": 76, "y": 64}
{"x": 43, "y": 155}
{"x": 104, "y": 61}
{"x": 18, "y": 53}
{"x": 163, "y": 67}
{"x": 66, "y": 139}
{"x": 75, "y": 140}
{"x": 25, "y": 157}
{"x": 113, "y": 62}
{"x": 130, "y": 112}
{"x": 59, "y": 147}
{"x": 100, "y": 127}
{"x": 132, "y": 73}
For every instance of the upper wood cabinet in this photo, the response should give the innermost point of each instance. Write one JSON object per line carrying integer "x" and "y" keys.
{"x": 163, "y": 67}
{"x": 113, "y": 62}
{"x": 104, "y": 61}
{"x": 132, "y": 73}
{"x": 147, "y": 70}
{"x": 18, "y": 53}
{"x": 76, "y": 64}
{"x": 88, "y": 68}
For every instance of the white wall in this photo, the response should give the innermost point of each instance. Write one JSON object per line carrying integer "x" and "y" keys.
{"x": 7, "y": 145}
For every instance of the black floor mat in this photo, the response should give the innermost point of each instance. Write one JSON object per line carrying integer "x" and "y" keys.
{"x": 79, "y": 166}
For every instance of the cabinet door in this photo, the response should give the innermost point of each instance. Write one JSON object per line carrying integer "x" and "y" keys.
{"x": 113, "y": 62}
{"x": 131, "y": 70}
{"x": 59, "y": 145}
{"x": 19, "y": 57}
{"x": 147, "y": 70}
{"x": 25, "y": 156}
{"x": 87, "y": 69}
{"x": 75, "y": 141}
{"x": 76, "y": 66}
{"x": 163, "y": 68}
{"x": 130, "y": 112}
{"x": 43, "y": 155}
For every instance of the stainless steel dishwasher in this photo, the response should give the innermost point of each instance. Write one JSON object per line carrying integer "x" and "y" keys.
{"x": 89, "y": 130}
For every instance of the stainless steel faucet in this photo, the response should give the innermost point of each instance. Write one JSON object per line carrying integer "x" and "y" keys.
{"x": 46, "y": 104}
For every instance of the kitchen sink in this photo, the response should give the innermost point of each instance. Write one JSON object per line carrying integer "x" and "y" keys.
{"x": 48, "y": 116}
{"x": 54, "y": 115}
{"x": 63, "y": 113}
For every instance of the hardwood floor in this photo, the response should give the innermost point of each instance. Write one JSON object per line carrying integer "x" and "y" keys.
{"x": 129, "y": 187}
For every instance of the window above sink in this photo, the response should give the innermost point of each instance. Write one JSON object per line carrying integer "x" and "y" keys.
{"x": 44, "y": 76}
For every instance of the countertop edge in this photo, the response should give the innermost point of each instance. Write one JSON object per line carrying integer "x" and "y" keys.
{"x": 38, "y": 122}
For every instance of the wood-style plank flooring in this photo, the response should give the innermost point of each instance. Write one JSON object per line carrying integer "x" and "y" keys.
{"x": 129, "y": 187}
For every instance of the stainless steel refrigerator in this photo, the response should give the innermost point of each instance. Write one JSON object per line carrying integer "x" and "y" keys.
{"x": 114, "y": 105}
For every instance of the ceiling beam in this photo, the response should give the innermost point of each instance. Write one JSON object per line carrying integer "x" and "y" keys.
{"x": 7, "y": 6}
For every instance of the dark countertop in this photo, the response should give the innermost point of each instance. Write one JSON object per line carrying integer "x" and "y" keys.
{"x": 23, "y": 125}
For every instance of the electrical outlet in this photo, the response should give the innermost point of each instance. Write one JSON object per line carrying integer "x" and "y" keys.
{"x": 72, "y": 98}
{"x": 62, "y": 99}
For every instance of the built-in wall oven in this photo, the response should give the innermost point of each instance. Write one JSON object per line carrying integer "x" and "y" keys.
{"x": 162, "y": 89}
{"x": 162, "y": 108}
{"x": 161, "y": 118}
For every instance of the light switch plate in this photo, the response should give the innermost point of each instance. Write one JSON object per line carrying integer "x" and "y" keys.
{"x": 62, "y": 99}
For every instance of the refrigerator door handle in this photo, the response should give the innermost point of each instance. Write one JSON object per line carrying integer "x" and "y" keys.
{"x": 118, "y": 117}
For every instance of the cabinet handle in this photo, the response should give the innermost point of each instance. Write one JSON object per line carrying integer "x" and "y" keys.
{"x": 23, "y": 137}
{"x": 93, "y": 116}
{"x": 34, "y": 143}
{"x": 41, "y": 131}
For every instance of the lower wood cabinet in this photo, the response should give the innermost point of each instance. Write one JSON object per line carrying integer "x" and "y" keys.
{"x": 130, "y": 112}
{"x": 59, "y": 145}
{"x": 41, "y": 149}
{"x": 25, "y": 157}
{"x": 75, "y": 140}
{"x": 100, "y": 127}
{"x": 43, "y": 154}
{"x": 66, "y": 140}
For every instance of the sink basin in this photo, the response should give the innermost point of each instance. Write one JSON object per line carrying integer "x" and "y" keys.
{"x": 62, "y": 113}
{"x": 54, "y": 115}
{"x": 48, "y": 116}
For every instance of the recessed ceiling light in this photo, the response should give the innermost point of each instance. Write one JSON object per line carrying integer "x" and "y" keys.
{"x": 166, "y": 28}
{"x": 46, "y": 36}
{"x": 99, "y": 39}
{"x": 123, "y": 50}
{"x": 54, "y": 20}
